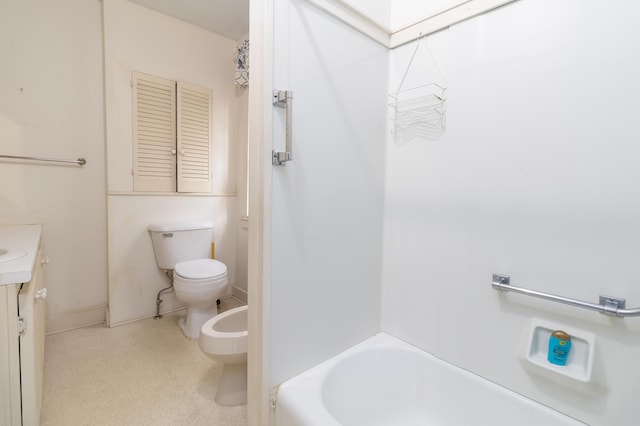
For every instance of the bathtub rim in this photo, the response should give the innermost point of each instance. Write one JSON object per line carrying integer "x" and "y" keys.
{"x": 294, "y": 392}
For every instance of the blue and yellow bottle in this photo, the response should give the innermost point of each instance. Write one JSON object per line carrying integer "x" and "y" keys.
{"x": 559, "y": 347}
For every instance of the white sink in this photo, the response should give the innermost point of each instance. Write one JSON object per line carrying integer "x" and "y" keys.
{"x": 7, "y": 255}
{"x": 19, "y": 246}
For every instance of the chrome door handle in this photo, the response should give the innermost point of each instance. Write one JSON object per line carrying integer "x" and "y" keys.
{"x": 282, "y": 99}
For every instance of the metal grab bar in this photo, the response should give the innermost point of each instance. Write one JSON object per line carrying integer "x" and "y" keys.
{"x": 607, "y": 305}
{"x": 282, "y": 99}
{"x": 80, "y": 161}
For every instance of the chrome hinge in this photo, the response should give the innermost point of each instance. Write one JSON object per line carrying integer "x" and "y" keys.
{"x": 22, "y": 326}
{"x": 273, "y": 397}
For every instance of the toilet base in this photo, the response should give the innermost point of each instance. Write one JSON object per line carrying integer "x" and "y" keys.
{"x": 195, "y": 318}
{"x": 232, "y": 389}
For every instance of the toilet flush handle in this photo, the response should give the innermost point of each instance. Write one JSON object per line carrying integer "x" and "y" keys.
{"x": 41, "y": 294}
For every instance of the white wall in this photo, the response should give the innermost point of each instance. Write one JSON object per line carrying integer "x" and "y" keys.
{"x": 51, "y": 105}
{"x": 134, "y": 277}
{"x": 240, "y": 289}
{"x": 138, "y": 39}
{"x": 535, "y": 177}
{"x": 407, "y": 12}
{"x": 327, "y": 203}
{"x": 242, "y": 237}
{"x": 378, "y": 11}
{"x": 396, "y": 14}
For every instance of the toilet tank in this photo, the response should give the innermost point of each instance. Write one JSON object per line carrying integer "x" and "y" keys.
{"x": 181, "y": 241}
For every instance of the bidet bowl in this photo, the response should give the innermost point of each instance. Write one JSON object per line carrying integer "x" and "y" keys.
{"x": 224, "y": 337}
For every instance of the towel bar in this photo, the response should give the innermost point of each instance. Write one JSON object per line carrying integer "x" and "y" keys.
{"x": 607, "y": 305}
{"x": 80, "y": 161}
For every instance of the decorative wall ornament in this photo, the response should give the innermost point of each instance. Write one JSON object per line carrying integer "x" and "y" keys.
{"x": 242, "y": 65}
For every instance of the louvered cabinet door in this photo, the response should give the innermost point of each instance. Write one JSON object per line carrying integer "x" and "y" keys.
{"x": 194, "y": 138}
{"x": 154, "y": 133}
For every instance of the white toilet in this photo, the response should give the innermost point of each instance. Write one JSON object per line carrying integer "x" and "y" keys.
{"x": 224, "y": 339}
{"x": 198, "y": 281}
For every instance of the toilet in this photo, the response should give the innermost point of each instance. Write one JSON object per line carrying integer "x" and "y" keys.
{"x": 198, "y": 281}
{"x": 223, "y": 338}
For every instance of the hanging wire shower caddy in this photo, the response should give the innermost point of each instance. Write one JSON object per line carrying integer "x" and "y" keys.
{"x": 417, "y": 112}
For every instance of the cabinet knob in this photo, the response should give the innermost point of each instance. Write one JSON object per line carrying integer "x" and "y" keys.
{"x": 44, "y": 260}
{"x": 41, "y": 294}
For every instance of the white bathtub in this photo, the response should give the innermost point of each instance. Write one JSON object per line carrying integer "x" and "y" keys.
{"x": 384, "y": 381}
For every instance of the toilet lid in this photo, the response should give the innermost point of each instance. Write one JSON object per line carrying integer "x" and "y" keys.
{"x": 201, "y": 268}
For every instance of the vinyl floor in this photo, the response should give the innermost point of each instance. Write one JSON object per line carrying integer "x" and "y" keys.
{"x": 141, "y": 373}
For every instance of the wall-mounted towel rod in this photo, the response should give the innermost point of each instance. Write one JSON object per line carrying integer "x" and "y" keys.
{"x": 608, "y": 305}
{"x": 80, "y": 161}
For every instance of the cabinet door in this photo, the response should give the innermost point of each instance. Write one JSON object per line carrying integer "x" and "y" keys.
{"x": 9, "y": 357}
{"x": 31, "y": 306}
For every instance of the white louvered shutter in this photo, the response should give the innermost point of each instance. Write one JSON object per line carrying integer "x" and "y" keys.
{"x": 194, "y": 138}
{"x": 154, "y": 133}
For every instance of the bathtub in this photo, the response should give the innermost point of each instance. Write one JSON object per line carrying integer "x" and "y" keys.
{"x": 385, "y": 381}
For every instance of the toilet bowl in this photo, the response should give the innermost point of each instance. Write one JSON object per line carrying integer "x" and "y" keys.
{"x": 184, "y": 250}
{"x": 223, "y": 338}
{"x": 199, "y": 284}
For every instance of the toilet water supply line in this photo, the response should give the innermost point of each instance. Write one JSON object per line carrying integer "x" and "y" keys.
{"x": 158, "y": 300}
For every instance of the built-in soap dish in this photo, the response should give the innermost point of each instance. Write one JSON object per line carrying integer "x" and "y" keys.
{"x": 579, "y": 366}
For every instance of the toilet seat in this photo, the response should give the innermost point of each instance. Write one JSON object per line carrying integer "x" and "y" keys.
{"x": 198, "y": 284}
{"x": 195, "y": 271}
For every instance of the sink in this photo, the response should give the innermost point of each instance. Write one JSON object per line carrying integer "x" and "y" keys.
{"x": 7, "y": 255}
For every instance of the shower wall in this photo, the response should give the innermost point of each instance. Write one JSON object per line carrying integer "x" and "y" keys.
{"x": 326, "y": 227}
{"x": 535, "y": 177}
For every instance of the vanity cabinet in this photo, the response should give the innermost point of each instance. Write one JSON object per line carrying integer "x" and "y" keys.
{"x": 22, "y": 335}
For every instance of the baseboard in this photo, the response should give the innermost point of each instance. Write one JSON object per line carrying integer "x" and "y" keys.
{"x": 162, "y": 312}
{"x": 77, "y": 319}
{"x": 240, "y": 294}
